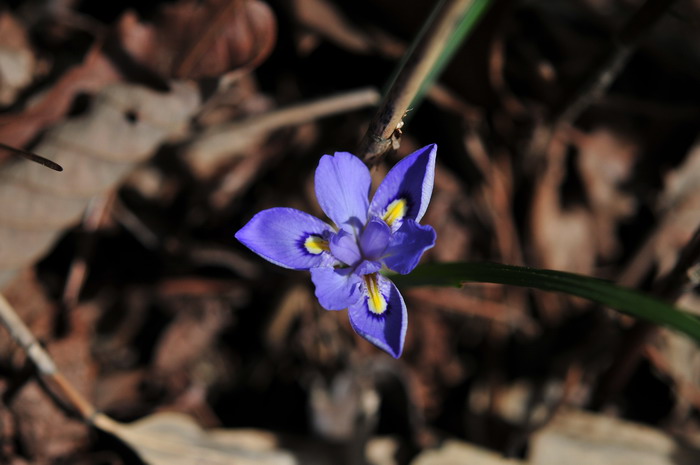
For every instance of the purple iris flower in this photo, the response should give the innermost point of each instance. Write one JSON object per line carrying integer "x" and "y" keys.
{"x": 345, "y": 258}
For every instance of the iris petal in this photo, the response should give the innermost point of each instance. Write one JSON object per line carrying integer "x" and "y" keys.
{"x": 336, "y": 288}
{"x": 374, "y": 239}
{"x": 344, "y": 247}
{"x": 279, "y": 234}
{"x": 410, "y": 180}
{"x": 367, "y": 267}
{"x": 387, "y": 330}
{"x": 407, "y": 246}
{"x": 342, "y": 188}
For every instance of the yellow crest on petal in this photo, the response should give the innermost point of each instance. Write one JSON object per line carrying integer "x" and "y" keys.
{"x": 375, "y": 300}
{"x": 395, "y": 211}
{"x": 315, "y": 245}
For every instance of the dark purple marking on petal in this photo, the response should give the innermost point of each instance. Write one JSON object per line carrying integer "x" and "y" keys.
{"x": 313, "y": 243}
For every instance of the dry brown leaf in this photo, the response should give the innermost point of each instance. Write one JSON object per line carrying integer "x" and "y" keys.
{"x": 326, "y": 19}
{"x": 139, "y": 38}
{"x": 382, "y": 450}
{"x": 461, "y": 302}
{"x": 680, "y": 204}
{"x": 679, "y": 211}
{"x": 16, "y": 58}
{"x": 605, "y": 162}
{"x": 448, "y": 197}
{"x": 678, "y": 358}
{"x": 295, "y": 301}
{"x": 204, "y": 39}
{"x": 42, "y": 427}
{"x": 455, "y": 452}
{"x": 339, "y": 408}
{"x": 125, "y": 124}
{"x": 578, "y": 438}
{"x": 199, "y": 329}
{"x": 119, "y": 391}
{"x": 174, "y": 438}
{"x": 243, "y": 43}
{"x": 93, "y": 74}
{"x": 564, "y": 239}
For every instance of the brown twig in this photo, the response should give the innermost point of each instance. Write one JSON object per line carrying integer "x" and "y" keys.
{"x": 602, "y": 74}
{"x": 43, "y": 361}
{"x": 419, "y": 62}
{"x": 92, "y": 220}
{"x": 609, "y": 67}
{"x": 226, "y": 140}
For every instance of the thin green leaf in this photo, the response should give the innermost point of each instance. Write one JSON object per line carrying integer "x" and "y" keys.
{"x": 604, "y": 292}
{"x": 467, "y": 22}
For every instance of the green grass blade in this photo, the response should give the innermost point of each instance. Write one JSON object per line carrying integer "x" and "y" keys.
{"x": 468, "y": 21}
{"x": 597, "y": 290}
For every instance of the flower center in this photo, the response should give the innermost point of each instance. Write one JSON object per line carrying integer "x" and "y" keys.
{"x": 375, "y": 300}
{"x": 395, "y": 211}
{"x": 315, "y": 245}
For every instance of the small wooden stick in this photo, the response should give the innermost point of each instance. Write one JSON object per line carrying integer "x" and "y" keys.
{"x": 608, "y": 69}
{"x": 92, "y": 219}
{"x": 43, "y": 361}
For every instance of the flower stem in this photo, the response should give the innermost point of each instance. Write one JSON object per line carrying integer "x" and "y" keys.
{"x": 446, "y": 28}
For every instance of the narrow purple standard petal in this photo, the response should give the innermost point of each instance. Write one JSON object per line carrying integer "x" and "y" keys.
{"x": 342, "y": 188}
{"x": 386, "y": 330}
{"x": 407, "y": 188}
{"x": 289, "y": 238}
{"x": 374, "y": 239}
{"x": 407, "y": 246}
{"x": 344, "y": 247}
{"x": 336, "y": 288}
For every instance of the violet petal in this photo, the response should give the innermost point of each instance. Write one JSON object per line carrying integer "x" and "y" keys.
{"x": 410, "y": 179}
{"x": 407, "y": 246}
{"x": 278, "y": 235}
{"x": 388, "y": 330}
{"x": 342, "y": 187}
{"x": 336, "y": 288}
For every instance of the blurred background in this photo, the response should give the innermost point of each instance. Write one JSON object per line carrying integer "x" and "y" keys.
{"x": 176, "y": 121}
